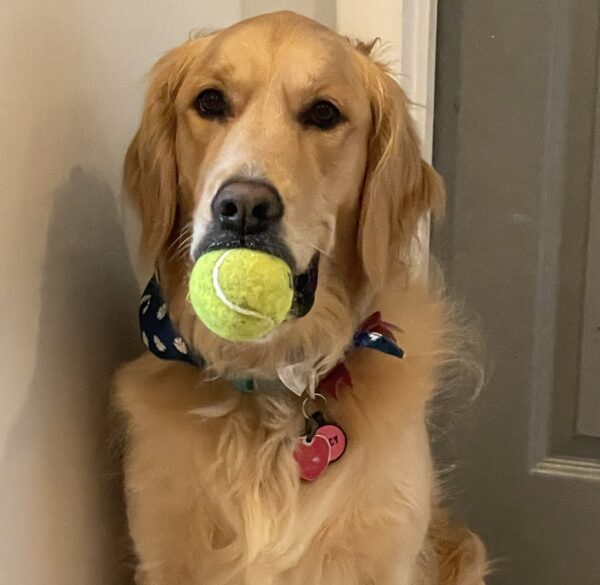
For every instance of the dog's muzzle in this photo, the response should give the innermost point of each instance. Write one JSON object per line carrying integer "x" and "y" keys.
{"x": 248, "y": 214}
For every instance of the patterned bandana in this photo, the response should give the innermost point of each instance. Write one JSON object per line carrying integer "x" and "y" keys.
{"x": 164, "y": 341}
{"x": 158, "y": 333}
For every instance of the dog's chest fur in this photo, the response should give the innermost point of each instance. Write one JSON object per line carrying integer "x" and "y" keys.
{"x": 214, "y": 494}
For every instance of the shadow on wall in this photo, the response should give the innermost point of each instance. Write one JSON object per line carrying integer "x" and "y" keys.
{"x": 56, "y": 485}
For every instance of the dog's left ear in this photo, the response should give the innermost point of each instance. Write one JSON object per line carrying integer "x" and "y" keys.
{"x": 150, "y": 169}
{"x": 399, "y": 188}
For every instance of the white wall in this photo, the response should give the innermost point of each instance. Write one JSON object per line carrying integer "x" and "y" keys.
{"x": 72, "y": 77}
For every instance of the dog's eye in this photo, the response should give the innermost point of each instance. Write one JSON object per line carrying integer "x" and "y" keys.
{"x": 211, "y": 103}
{"x": 322, "y": 114}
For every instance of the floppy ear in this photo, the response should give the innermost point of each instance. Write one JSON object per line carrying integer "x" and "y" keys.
{"x": 150, "y": 170}
{"x": 399, "y": 186}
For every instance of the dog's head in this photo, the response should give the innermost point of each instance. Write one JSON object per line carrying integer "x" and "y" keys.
{"x": 278, "y": 134}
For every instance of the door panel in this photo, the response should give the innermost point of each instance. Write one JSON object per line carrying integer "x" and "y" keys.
{"x": 517, "y": 139}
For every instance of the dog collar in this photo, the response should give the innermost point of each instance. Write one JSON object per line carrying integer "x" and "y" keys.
{"x": 163, "y": 340}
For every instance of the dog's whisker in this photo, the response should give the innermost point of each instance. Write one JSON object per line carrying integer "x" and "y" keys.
{"x": 185, "y": 232}
{"x": 313, "y": 246}
{"x": 185, "y": 241}
{"x": 330, "y": 256}
{"x": 179, "y": 251}
{"x": 182, "y": 248}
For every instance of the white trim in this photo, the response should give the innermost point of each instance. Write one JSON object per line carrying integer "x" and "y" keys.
{"x": 418, "y": 64}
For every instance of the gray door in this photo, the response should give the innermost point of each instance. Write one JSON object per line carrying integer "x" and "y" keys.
{"x": 517, "y": 138}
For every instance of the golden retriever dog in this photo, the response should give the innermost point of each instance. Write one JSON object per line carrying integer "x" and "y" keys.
{"x": 277, "y": 134}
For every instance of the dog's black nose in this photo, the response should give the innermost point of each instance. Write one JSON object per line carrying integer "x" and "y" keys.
{"x": 247, "y": 207}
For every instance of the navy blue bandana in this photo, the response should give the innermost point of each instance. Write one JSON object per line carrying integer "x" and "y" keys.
{"x": 158, "y": 333}
{"x": 164, "y": 341}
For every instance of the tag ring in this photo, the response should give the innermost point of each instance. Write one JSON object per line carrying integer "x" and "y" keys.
{"x": 305, "y": 401}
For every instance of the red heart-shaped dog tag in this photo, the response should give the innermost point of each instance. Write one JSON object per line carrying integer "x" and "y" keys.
{"x": 336, "y": 438}
{"x": 312, "y": 457}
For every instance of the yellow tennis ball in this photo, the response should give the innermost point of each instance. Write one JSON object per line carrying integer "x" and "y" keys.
{"x": 241, "y": 294}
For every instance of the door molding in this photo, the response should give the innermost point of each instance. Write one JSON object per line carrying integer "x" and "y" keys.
{"x": 558, "y": 443}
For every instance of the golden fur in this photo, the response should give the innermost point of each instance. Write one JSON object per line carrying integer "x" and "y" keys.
{"x": 212, "y": 489}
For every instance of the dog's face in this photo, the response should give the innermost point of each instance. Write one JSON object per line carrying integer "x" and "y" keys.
{"x": 272, "y": 139}
{"x": 278, "y": 134}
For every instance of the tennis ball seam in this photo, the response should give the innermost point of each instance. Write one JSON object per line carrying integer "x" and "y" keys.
{"x": 230, "y": 304}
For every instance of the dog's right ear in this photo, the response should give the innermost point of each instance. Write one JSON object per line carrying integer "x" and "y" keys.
{"x": 399, "y": 187}
{"x": 150, "y": 170}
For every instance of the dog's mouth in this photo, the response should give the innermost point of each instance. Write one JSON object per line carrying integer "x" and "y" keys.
{"x": 305, "y": 289}
{"x": 305, "y": 283}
